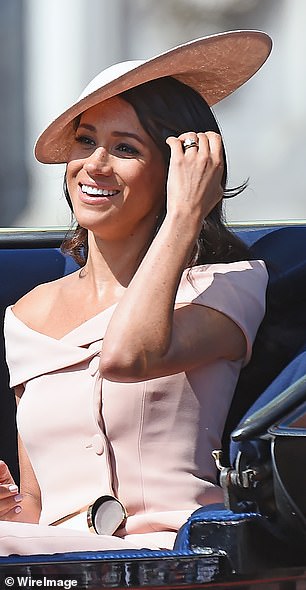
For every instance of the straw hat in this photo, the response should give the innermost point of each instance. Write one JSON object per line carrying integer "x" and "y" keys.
{"x": 214, "y": 66}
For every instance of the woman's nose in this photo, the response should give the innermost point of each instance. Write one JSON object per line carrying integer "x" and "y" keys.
{"x": 98, "y": 162}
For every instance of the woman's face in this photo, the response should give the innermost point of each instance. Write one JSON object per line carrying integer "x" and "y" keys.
{"x": 115, "y": 172}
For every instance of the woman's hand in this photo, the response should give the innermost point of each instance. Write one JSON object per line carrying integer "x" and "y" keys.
{"x": 195, "y": 175}
{"x": 10, "y": 498}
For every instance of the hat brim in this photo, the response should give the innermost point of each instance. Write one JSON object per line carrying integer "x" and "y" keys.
{"x": 214, "y": 66}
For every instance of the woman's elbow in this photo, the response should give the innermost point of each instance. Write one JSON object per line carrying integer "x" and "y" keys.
{"x": 121, "y": 367}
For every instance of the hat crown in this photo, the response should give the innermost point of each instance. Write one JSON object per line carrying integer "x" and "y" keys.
{"x": 108, "y": 75}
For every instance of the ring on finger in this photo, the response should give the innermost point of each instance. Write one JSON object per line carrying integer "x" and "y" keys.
{"x": 189, "y": 142}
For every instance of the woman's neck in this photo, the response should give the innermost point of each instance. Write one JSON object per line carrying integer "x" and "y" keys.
{"x": 110, "y": 266}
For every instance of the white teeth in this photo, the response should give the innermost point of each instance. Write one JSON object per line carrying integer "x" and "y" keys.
{"x": 92, "y": 190}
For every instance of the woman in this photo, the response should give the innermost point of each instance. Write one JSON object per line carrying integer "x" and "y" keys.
{"x": 124, "y": 370}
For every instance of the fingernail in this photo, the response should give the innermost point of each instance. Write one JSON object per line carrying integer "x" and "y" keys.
{"x": 13, "y": 488}
{"x": 18, "y": 497}
{"x": 17, "y": 509}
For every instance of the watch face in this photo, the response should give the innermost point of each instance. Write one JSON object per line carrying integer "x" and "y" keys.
{"x": 106, "y": 515}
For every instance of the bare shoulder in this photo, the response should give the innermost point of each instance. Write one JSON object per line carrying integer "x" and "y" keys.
{"x": 36, "y": 301}
{"x": 36, "y": 308}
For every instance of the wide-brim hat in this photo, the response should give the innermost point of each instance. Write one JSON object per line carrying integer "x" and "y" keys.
{"x": 214, "y": 66}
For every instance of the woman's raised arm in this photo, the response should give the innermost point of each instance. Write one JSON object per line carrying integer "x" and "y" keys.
{"x": 147, "y": 337}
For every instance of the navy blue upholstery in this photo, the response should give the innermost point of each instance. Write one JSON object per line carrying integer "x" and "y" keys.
{"x": 93, "y": 555}
{"x": 26, "y": 268}
{"x": 211, "y": 513}
{"x": 290, "y": 374}
{"x": 208, "y": 514}
{"x": 283, "y": 332}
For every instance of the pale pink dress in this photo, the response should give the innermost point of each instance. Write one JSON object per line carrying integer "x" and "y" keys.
{"x": 148, "y": 443}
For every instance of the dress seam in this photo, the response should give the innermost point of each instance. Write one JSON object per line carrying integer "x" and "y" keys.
{"x": 140, "y": 432}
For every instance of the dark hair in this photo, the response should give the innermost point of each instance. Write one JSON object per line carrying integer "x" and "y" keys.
{"x": 168, "y": 107}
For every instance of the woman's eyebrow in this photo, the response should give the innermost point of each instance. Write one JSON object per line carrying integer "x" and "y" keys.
{"x": 87, "y": 126}
{"x": 128, "y": 134}
{"x": 114, "y": 133}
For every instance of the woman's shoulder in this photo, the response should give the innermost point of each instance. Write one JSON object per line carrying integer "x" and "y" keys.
{"x": 223, "y": 280}
{"x": 36, "y": 306}
{"x": 240, "y": 270}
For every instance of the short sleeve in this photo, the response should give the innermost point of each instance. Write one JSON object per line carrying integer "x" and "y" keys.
{"x": 237, "y": 289}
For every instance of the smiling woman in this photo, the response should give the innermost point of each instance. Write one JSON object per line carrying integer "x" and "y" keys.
{"x": 114, "y": 361}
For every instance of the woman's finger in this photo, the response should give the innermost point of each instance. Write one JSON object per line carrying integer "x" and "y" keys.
{"x": 189, "y": 142}
{"x": 8, "y": 491}
{"x": 5, "y": 474}
{"x": 10, "y": 503}
{"x": 10, "y": 512}
{"x": 10, "y": 498}
{"x": 211, "y": 143}
{"x": 175, "y": 145}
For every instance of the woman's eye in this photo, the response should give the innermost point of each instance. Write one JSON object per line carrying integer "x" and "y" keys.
{"x": 127, "y": 149}
{"x": 83, "y": 139}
